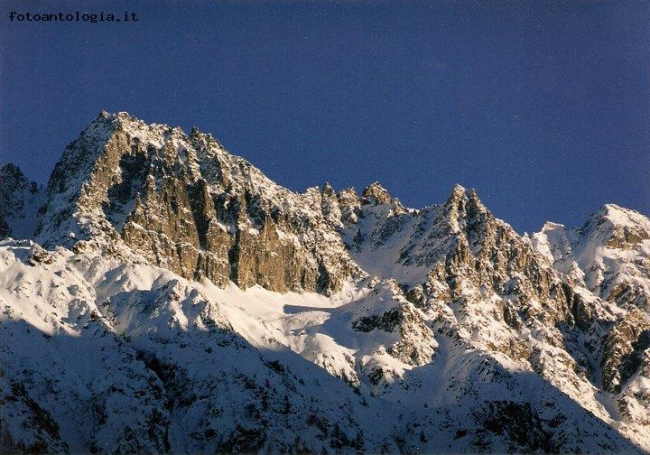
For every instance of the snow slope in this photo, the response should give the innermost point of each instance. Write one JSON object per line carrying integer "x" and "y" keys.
{"x": 139, "y": 351}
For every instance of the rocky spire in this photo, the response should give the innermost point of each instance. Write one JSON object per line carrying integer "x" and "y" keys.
{"x": 375, "y": 194}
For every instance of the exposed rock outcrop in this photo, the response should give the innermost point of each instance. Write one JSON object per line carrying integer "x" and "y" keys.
{"x": 186, "y": 204}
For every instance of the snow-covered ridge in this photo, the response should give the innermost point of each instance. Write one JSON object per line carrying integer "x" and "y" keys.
{"x": 609, "y": 254}
{"x": 153, "y": 353}
{"x": 184, "y": 302}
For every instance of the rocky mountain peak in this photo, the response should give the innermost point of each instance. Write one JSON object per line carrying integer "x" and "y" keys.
{"x": 328, "y": 191}
{"x": 11, "y": 174}
{"x": 13, "y": 182}
{"x": 550, "y": 226}
{"x": 184, "y": 203}
{"x": 617, "y": 227}
{"x": 464, "y": 210}
{"x": 375, "y": 194}
{"x": 457, "y": 194}
{"x": 616, "y": 215}
{"x": 460, "y": 198}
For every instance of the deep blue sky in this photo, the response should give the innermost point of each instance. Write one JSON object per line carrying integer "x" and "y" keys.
{"x": 543, "y": 107}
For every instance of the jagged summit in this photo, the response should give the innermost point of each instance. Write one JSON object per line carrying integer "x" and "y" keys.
{"x": 11, "y": 171}
{"x": 375, "y": 194}
{"x": 610, "y": 227}
{"x": 464, "y": 208}
{"x": 457, "y": 193}
{"x": 13, "y": 180}
{"x": 185, "y": 203}
{"x": 617, "y": 215}
{"x": 328, "y": 190}
{"x": 617, "y": 226}
{"x": 551, "y": 226}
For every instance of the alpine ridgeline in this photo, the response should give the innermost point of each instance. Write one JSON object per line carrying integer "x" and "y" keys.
{"x": 164, "y": 296}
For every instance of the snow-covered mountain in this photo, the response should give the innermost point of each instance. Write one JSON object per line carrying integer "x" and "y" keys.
{"x": 163, "y": 295}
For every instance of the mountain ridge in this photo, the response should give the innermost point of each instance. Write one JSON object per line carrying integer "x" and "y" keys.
{"x": 167, "y": 253}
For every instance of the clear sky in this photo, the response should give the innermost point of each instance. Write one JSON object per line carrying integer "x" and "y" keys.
{"x": 542, "y": 107}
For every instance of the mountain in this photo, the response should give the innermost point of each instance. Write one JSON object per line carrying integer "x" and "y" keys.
{"x": 19, "y": 201}
{"x": 162, "y": 295}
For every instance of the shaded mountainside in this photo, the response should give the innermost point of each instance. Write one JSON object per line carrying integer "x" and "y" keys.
{"x": 183, "y": 302}
{"x": 19, "y": 200}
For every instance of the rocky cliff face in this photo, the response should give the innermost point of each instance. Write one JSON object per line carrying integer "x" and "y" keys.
{"x": 210, "y": 309}
{"x": 185, "y": 204}
{"x": 609, "y": 256}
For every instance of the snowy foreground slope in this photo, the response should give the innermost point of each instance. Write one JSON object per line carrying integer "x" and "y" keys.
{"x": 165, "y": 296}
